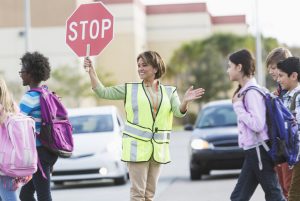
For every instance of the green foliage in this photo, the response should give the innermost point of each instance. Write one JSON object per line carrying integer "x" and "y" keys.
{"x": 209, "y": 72}
{"x": 202, "y": 63}
{"x": 70, "y": 84}
{"x": 16, "y": 89}
{"x": 73, "y": 85}
{"x": 14, "y": 86}
{"x": 295, "y": 51}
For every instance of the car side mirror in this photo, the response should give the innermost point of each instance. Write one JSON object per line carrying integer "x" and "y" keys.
{"x": 188, "y": 127}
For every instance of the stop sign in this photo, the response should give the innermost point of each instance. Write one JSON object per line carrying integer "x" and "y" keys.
{"x": 89, "y": 29}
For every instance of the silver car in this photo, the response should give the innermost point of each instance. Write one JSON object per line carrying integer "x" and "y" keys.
{"x": 97, "y": 134}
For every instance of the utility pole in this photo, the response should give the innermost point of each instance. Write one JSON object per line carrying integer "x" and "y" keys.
{"x": 261, "y": 78}
{"x": 27, "y": 24}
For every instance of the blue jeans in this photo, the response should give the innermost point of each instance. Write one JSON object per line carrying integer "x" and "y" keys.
{"x": 38, "y": 183}
{"x": 251, "y": 176}
{"x": 5, "y": 194}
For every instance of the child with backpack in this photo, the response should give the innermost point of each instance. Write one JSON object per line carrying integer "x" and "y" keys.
{"x": 35, "y": 69}
{"x": 289, "y": 78}
{"x": 258, "y": 167}
{"x": 283, "y": 171}
{"x": 8, "y": 184}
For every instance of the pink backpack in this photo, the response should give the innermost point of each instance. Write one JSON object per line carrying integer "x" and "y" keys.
{"x": 18, "y": 153}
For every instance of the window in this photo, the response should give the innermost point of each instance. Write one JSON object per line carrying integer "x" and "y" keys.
{"x": 92, "y": 123}
{"x": 217, "y": 116}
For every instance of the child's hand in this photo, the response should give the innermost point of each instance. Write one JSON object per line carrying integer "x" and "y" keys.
{"x": 236, "y": 98}
{"x": 275, "y": 93}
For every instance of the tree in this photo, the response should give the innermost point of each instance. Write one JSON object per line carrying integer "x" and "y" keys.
{"x": 14, "y": 86}
{"x": 207, "y": 73}
{"x": 73, "y": 86}
{"x": 202, "y": 63}
{"x": 70, "y": 84}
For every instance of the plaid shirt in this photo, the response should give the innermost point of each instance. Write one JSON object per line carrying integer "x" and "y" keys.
{"x": 287, "y": 100}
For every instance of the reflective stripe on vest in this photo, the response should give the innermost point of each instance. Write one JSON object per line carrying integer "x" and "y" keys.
{"x": 144, "y": 135}
{"x": 134, "y": 100}
{"x": 133, "y": 151}
{"x": 169, "y": 91}
{"x": 138, "y": 133}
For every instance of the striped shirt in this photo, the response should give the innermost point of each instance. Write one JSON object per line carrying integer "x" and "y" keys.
{"x": 287, "y": 100}
{"x": 30, "y": 105}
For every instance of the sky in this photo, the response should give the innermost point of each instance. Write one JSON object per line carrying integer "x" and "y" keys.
{"x": 277, "y": 18}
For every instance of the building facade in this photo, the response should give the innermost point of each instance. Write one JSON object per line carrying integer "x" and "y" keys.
{"x": 137, "y": 27}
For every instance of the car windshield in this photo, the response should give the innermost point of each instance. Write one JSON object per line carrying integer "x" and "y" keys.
{"x": 92, "y": 123}
{"x": 217, "y": 116}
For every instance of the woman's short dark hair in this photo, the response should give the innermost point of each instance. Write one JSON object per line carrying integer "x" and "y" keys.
{"x": 154, "y": 59}
{"x": 37, "y": 65}
{"x": 245, "y": 58}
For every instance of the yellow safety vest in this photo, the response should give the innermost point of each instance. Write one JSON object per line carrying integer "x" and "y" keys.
{"x": 145, "y": 137}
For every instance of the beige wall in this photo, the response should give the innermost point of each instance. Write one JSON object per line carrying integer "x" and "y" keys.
{"x": 134, "y": 32}
{"x": 43, "y": 12}
{"x": 239, "y": 29}
{"x": 167, "y": 32}
{"x": 119, "y": 57}
{"x": 11, "y": 13}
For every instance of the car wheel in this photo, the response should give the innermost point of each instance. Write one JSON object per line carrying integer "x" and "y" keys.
{"x": 120, "y": 180}
{"x": 195, "y": 174}
{"x": 58, "y": 183}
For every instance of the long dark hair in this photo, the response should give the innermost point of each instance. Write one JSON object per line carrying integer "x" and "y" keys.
{"x": 245, "y": 58}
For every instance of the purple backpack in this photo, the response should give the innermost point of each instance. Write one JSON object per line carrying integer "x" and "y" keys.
{"x": 56, "y": 130}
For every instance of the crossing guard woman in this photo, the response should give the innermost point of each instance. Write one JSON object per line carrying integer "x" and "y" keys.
{"x": 149, "y": 107}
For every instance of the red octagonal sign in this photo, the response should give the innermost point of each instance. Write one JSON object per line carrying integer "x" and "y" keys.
{"x": 89, "y": 29}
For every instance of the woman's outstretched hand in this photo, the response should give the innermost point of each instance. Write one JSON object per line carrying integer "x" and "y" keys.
{"x": 190, "y": 95}
{"x": 193, "y": 94}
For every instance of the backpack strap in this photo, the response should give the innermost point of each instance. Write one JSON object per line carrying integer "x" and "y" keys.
{"x": 293, "y": 103}
{"x": 260, "y": 90}
{"x": 263, "y": 143}
{"x": 40, "y": 89}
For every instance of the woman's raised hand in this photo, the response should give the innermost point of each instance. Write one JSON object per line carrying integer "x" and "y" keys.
{"x": 192, "y": 94}
{"x": 88, "y": 64}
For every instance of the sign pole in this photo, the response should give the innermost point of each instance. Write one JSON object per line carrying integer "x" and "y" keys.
{"x": 88, "y": 50}
{"x": 27, "y": 24}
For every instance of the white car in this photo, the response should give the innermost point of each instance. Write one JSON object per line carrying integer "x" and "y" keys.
{"x": 97, "y": 134}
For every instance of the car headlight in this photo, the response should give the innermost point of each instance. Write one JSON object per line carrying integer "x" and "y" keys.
{"x": 200, "y": 144}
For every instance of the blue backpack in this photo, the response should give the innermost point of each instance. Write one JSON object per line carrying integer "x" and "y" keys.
{"x": 284, "y": 143}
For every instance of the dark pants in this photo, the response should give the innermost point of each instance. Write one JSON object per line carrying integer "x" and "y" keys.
{"x": 251, "y": 176}
{"x": 38, "y": 183}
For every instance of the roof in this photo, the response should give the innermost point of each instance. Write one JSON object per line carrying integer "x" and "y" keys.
{"x": 115, "y": 1}
{"x": 176, "y": 8}
{"x": 232, "y": 19}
